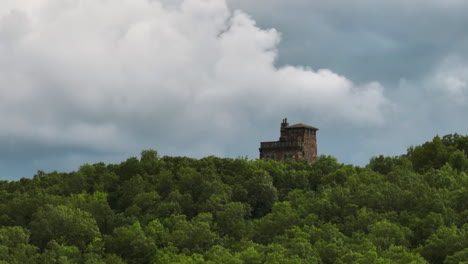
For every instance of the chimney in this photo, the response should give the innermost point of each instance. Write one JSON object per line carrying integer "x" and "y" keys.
{"x": 284, "y": 124}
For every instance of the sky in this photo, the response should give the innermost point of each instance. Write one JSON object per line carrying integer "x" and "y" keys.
{"x": 85, "y": 81}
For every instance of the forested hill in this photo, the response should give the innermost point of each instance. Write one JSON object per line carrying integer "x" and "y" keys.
{"x": 407, "y": 209}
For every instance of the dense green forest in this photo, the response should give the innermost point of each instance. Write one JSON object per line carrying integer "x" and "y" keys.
{"x": 407, "y": 209}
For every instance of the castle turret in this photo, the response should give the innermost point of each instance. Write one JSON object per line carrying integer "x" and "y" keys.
{"x": 298, "y": 141}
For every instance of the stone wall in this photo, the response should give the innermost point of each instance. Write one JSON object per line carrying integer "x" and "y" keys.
{"x": 296, "y": 143}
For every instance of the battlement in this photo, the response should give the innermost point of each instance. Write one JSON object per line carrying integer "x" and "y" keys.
{"x": 279, "y": 144}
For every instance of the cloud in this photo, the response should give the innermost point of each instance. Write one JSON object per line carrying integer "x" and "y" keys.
{"x": 87, "y": 81}
{"x": 417, "y": 49}
{"x": 450, "y": 79}
{"x": 366, "y": 40}
{"x": 99, "y": 74}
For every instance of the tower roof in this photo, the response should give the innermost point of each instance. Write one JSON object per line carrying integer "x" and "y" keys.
{"x": 301, "y": 125}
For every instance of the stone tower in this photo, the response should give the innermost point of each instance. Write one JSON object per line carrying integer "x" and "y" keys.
{"x": 297, "y": 141}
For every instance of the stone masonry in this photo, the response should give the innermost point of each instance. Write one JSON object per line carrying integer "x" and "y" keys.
{"x": 298, "y": 141}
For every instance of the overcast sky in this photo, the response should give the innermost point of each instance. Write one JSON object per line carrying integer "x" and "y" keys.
{"x": 83, "y": 81}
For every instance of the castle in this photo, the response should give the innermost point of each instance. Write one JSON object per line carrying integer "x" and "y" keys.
{"x": 297, "y": 141}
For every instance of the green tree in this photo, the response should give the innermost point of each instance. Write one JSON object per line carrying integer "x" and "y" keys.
{"x": 385, "y": 234}
{"x": 193, "y": 236}
{"x": 281, "y": 218}
{"x": 219, "y": 254}
{"x": 460, "y": 257}
{"x": 459, "y": 161}
{"x": 149, "y": 155}
{"x": 402, "y": 255}
{"x": 59, "y": 253}
{"x": 445, "y": 242}
{"x": 231, "y": 219}
{"x": 15, "y": 247}
{"x": 97, "y": 205}
{"x": 430, "y": 155}
{"x": 262, "y": 193}
{"x": 131, "y": 243}
{"x": 65, "y": 225}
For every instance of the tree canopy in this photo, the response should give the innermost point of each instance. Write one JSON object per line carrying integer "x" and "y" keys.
{"x": 405, "y": 209}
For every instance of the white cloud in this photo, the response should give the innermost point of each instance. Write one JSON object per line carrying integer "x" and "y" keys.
{"x": 450, "y": 78}
{"x": 101, "y": 73}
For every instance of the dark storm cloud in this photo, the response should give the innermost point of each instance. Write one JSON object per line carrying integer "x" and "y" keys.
{"x": 101, "y": 80}
{"x": 417, "y": 49}
{"x": 366, "y": 40}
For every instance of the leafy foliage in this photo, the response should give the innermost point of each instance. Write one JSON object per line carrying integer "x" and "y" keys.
{"x": 406, "y": 209}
